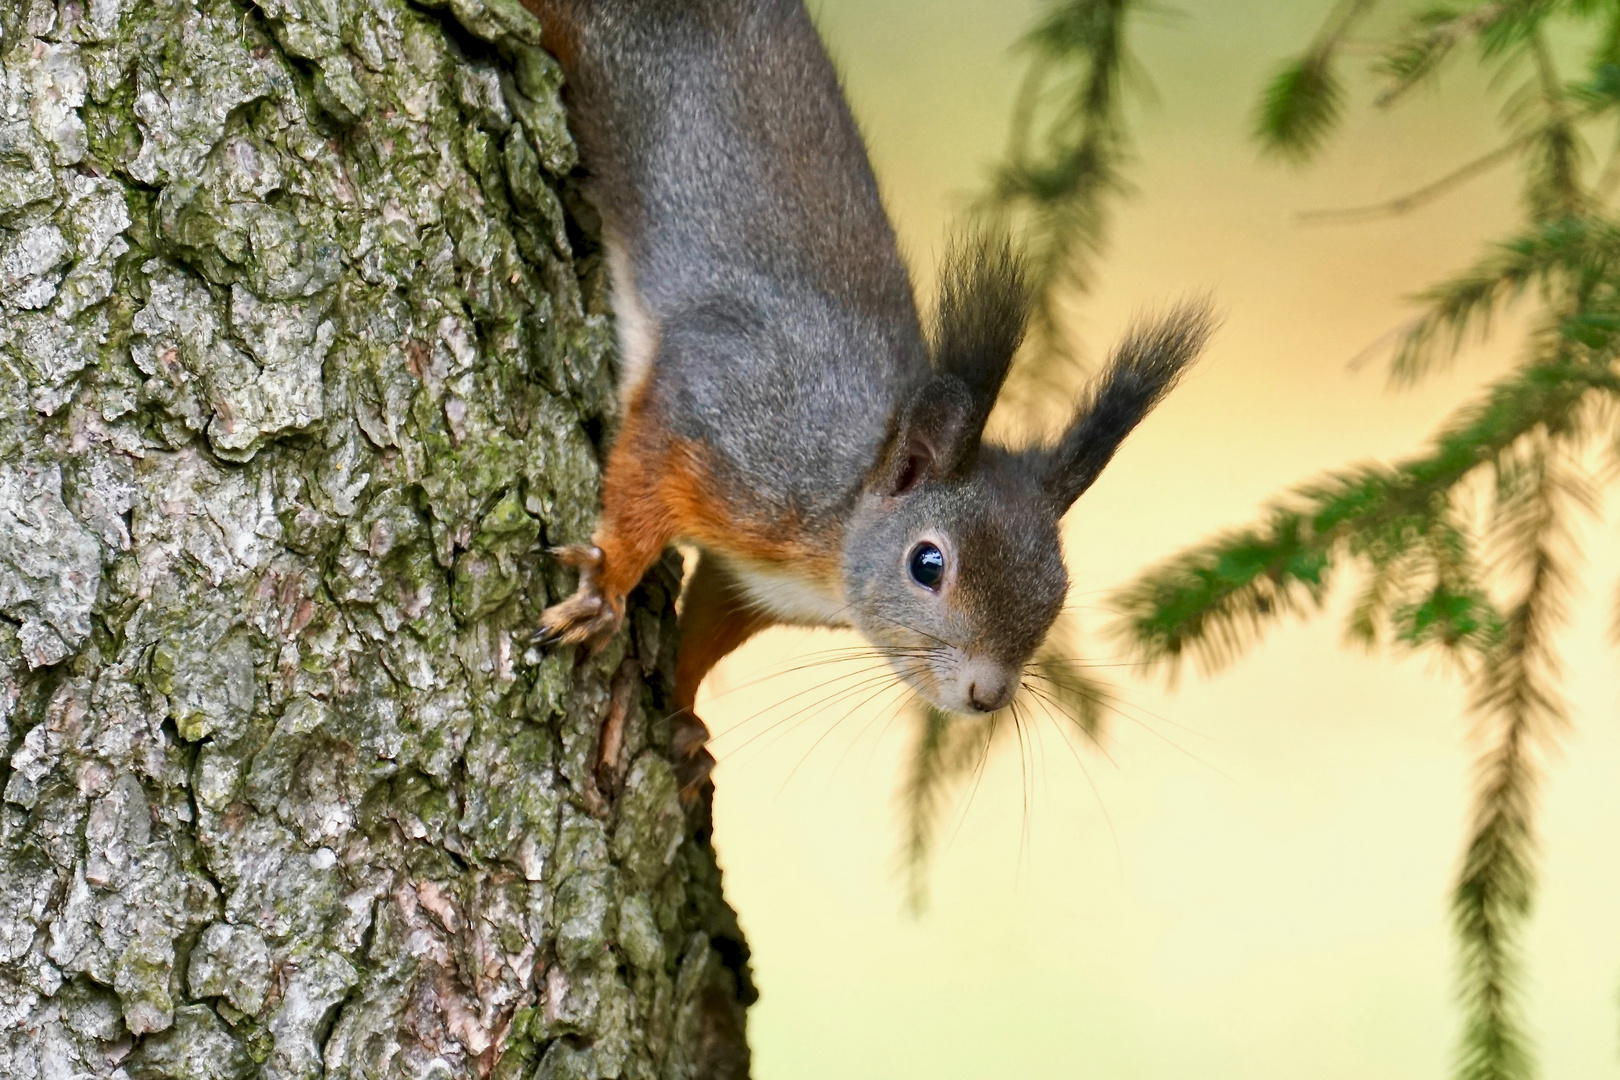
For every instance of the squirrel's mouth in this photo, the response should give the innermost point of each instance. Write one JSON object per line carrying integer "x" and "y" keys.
{"x": 969, "y": 686}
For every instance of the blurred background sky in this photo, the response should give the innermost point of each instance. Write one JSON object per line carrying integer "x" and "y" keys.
{"x": 1253, "y": 882}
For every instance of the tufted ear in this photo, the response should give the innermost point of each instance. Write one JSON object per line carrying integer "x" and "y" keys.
{"x": 929, "y": 437}
{"x": 1142, "y": 370}
{"x": 978, "y": 325}
{"x": 979, "y": 317}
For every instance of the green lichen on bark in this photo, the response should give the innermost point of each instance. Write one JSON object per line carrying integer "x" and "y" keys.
{"x": 304, "y": 359}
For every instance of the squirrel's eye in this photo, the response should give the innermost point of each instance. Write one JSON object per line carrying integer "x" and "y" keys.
{"x": 927, "y": 565}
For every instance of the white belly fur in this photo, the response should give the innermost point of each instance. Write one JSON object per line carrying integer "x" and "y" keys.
{"x": 789, "y": 597}
{"x": 638, "y": 332}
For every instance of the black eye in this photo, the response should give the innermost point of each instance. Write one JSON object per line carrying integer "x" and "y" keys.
{"x": 927, "y": 565}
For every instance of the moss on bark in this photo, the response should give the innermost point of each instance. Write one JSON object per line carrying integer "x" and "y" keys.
{"x": 305, "y": 364}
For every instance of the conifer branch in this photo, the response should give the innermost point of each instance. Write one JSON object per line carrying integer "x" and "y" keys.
{"x": 1520, "y": 713}
{"x": 948, "y": 749}
{"x": 952, "y": 750}
{"x": 1435, "y": 189}
{"x": 1303, "y": 101}
{"x": 1216, "y": 599}
{"x": 1429, "y": 39}
{"x": 1555, "y": 186}
{"x": 1063, "y": 168}
{"x": 1550, "y": 257}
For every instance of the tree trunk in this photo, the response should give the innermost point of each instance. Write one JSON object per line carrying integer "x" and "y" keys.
{"x": 306, "y": 362}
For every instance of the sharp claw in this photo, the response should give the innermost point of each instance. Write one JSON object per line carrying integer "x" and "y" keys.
{"x": 588, "y": 617}
{"x": 687, "y": 734}
{"x": 691, "y": 775}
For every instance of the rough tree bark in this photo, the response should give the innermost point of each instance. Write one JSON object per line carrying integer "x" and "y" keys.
{"x": 304, "y": 361}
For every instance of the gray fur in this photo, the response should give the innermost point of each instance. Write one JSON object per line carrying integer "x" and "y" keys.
{"x": 732, "y": 179}
{"x": 727, "y": 165}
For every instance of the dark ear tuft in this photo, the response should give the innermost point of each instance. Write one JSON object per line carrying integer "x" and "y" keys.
{"x": 1142, "y": 370}
{"x": 980, "y": 316}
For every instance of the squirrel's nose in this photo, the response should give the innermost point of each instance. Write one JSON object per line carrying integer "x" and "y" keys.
{"x": 989, "y": 690}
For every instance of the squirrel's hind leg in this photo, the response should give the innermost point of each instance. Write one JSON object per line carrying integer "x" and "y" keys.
{"x": 716, "y": 617}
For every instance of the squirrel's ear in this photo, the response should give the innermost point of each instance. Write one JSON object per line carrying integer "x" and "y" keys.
{"x": 1142, "y": 370}
{"x": 978, "y": 324}
{"x": 929, "y": 438}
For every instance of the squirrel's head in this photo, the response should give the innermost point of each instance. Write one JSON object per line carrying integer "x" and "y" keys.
{"x": 952, "y": 561}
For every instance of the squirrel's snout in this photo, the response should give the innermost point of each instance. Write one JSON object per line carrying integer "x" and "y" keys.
{"x": 974, "y": 684}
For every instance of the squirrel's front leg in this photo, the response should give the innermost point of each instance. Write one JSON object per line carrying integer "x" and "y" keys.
{"x": 635, "y": 527}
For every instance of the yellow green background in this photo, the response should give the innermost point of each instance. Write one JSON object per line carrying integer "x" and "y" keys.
{"x": 1253, "y": 881}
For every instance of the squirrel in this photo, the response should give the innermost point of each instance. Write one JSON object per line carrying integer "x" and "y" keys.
{"x": 782, "y": 407}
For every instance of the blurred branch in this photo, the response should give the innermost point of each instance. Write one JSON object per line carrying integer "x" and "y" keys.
{"x": 1429, "y": 39}
{"x": 952, "y": 750}
{"x": 1303, "y": 101}
{"x": 1218, "y": 598}
{"x": 948, "y": 749}
{"x": 1415, "y": 527}
{"x": 1064, "y": 164}
{"x": 1555, "y": 185}
{"x": 1520, "y": 711}
{"x": 1566, "y": 251}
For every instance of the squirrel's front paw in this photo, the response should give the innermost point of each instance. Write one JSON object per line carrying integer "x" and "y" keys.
{"x": 590, "y": 616}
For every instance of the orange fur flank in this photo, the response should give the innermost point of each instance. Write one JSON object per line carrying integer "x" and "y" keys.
{"x": 659, "y": 488}
{"x": 706, "y": 516}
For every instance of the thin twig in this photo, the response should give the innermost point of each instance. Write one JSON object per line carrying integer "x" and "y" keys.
{"x": 1428, "y": 193}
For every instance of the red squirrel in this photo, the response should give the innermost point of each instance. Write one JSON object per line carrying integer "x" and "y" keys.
{"x": 783, "y": 409}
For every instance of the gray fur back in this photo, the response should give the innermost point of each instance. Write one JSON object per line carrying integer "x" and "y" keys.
{"x": 731, "y": 173}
